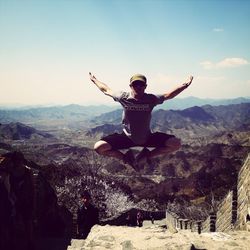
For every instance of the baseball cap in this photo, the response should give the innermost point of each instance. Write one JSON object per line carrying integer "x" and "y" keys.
{"x": 138, "y": 77}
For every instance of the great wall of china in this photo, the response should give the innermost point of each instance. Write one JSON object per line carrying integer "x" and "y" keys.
{"x": 232, "y": 213}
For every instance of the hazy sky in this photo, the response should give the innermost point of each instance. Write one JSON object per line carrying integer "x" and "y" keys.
{"x": 47, "y": 48}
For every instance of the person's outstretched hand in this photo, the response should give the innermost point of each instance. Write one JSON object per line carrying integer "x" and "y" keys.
{"x": 189, "y": 81}
{"x": 92, "y": 77}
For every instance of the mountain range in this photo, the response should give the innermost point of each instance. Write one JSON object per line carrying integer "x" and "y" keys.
{"x": 75, "y": 112}
{"x": 188, "y": 102}
{"x": 191, "y": 122}
{"x": 216, "y": 140}
{"x": 71, "y": 112}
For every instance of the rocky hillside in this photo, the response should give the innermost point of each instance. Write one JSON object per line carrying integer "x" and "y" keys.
{"x": 192, "y": 174}
{"x": 215, "y": 143}
{"x": 19, "y": 131}
{"x": 29, "y": 207}
{"x": 189, "y": 174}
{"x": 103, "y": 130}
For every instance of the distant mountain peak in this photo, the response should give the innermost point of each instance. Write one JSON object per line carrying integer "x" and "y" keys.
{"x": 196, "y": 113}
{"x": 19, "y": 131}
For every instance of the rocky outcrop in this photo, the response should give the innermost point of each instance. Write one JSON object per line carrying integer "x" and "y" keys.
{"x": 28, "y": 205}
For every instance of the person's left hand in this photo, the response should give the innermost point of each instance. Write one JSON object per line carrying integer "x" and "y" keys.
{"x": 188, "y": 82}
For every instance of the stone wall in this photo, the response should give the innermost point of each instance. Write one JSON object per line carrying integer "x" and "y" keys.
{"x": 243, "y": 206}
{"x": 206, "y": 225}
{"x": 224, "y": 214}
{"x": 174, "y": 222}
{"x": 171, "y": 221}
{"x": 233, "y": 212}
{"x": 129, "y": 217}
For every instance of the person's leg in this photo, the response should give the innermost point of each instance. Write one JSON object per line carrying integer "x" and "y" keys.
{"x": 171, "y": 145}
{"x": 110, "y": 146}
{"x": 162, "y": 144}
{"x": 105, "y": 149}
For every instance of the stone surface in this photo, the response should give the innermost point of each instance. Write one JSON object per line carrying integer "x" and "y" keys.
{"x": 156, "y": 237}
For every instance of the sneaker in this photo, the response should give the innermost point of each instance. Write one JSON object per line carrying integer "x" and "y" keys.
{"x": 129, "y": 158}
{"x": 142, "y": 157}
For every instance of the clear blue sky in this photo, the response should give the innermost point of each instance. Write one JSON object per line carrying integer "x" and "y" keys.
{"x": 47, "y": 48}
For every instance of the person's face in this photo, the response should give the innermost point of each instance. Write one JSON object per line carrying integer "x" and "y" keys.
{"x": 85, "y": 200}
{"x": 138, "y": 87}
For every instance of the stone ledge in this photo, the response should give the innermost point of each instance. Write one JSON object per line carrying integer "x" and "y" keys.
{"x": 158, "y": 238}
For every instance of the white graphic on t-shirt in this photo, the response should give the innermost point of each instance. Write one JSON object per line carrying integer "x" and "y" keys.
{"x": 137, "y": 107}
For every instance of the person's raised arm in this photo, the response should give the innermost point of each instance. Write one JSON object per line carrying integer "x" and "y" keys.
{"x": 179, "y": 89}
{"x": 100, "y": 85}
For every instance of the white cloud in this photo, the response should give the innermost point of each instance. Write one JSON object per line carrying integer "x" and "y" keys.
{"x": 225, "y": 63}
{"x": 232, "y": 62}
{"x": 218, "y": 30}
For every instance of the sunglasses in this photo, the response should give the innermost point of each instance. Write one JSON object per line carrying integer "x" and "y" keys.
{"x": 138, "y": 84}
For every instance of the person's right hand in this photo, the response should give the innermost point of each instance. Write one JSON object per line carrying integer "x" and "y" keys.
{"x": 92, "y": 77}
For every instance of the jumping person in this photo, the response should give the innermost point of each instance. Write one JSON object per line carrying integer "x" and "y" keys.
{"x": 137, "y": 107}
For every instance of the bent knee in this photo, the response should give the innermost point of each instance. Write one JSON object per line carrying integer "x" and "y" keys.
{"x": 174, "y": 143}
{"x": 102, "y": 146}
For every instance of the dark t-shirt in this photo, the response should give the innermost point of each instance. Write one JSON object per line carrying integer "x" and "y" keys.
{"x": 137, "y": 114}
